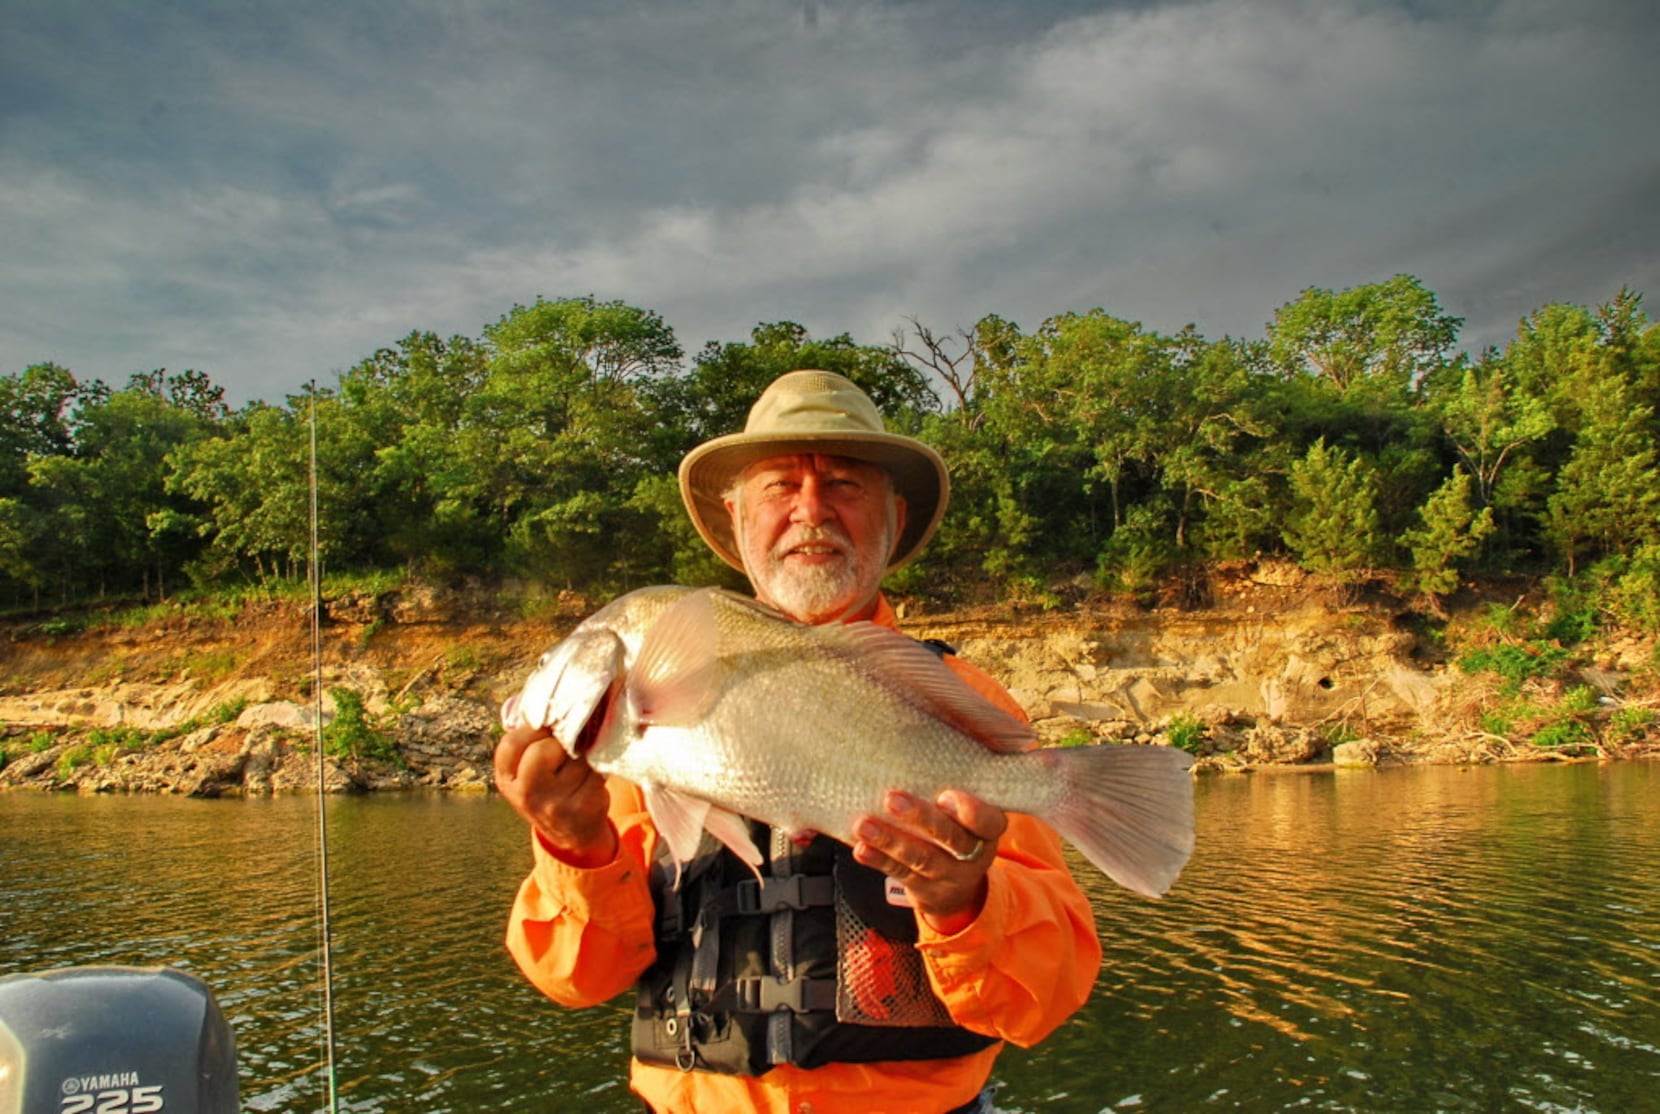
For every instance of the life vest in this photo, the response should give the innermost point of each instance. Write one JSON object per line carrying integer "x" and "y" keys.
{"x": 810, "y": 965}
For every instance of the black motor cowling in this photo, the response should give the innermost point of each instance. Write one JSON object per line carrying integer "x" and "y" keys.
{"x": 114, "y": 1040}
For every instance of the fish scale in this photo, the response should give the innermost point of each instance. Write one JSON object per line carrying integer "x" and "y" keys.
{"x": 719, "y": 708}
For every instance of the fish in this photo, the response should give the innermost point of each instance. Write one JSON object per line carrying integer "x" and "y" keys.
{"x": 719, "y": 708}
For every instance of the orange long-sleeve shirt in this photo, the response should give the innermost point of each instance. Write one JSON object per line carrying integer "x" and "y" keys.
{"x": 583, "y": 936}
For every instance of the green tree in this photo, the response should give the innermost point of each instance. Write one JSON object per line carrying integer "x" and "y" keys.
{"x": 19, "y": 552}
{"x": 1388, "y": 334}
{"x": 1333, "y": 526}
{"x": 1450, "y": 534}
{"x": 254, "y": 481}
{"x": 409, "y": 405}
{"x": 34, "y": 420}
{"x": 561, "y": 432}
{"x": 1607, "y": 497}
{"x": 1488, "y": 420}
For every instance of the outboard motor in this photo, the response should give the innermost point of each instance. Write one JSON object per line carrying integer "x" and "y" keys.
{"x": 114, "y": 1040}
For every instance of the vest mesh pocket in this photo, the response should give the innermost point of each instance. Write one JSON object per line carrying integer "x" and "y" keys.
{"x": 882, "y": 980}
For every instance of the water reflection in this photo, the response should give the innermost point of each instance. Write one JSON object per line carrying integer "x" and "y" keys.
{"x": 1397, "y": 940}
{"x": 1383, "y": 941}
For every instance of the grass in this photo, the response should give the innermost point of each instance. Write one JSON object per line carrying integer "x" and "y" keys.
{"x": 1185, "y": 732}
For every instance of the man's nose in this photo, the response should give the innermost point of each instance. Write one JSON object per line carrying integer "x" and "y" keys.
{"x": 811, "y": 507}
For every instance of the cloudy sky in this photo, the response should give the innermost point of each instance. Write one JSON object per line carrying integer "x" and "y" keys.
{"x": 268, "y": 192}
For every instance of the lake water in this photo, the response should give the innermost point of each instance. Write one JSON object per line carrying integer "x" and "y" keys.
{"x": 1398, "y": 940}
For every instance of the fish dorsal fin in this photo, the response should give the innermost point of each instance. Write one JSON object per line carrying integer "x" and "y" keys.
{"x": 675, "y": 677}
{"x": 914, "y": 668}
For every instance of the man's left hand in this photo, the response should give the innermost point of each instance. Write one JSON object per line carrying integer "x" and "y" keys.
{"x": 938, "y": 850}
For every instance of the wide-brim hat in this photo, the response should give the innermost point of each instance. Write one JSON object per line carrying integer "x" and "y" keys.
{"x": 814, "y": 412}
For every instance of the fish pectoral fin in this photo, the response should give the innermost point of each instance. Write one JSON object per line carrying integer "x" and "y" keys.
{"x": 920, "y": 674}
{"x": 676, "y": 675}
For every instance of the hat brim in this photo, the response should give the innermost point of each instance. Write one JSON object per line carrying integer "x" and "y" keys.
{"x": 919, "y": 477}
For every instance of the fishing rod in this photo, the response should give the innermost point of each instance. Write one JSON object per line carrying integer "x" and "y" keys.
{"x": 324, "y": 947}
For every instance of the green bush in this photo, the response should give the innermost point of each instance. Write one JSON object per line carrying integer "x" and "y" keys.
{"x": 1631, "y": 724}
{"x": 1568, "y": 734}
{"x": 114, "y": 738}
{"x": 353, "y": 733}
{"x": 1632, "y": 593}
{"x": 1185, "y": 732}
{"x": 72, "y": 759}
{"x": 1515, "y": 663}
{"x": 1077, "y": 737}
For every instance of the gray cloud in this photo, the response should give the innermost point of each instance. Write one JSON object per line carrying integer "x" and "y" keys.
{"x": 271, "y": 195}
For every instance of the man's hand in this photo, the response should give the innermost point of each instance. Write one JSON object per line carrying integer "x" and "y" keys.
{"x": 562, "y": 797}
{"x": 939, "y": 851}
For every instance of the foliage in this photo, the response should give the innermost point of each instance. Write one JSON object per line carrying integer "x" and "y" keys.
{"x": 1515, "y": 663}
{"x": 1451, "y": 534}
{"x": 1632, "y": 724}
{"x": 1077, "y": 737}
{"x": 1333, "y": 527}
{"x": 1185, "y": 732}
{"x": 1351, "y": 436}
{"x": 1631, "y": 588}
{"x": 352, "y": 733}
{"x": 73, "y": 759}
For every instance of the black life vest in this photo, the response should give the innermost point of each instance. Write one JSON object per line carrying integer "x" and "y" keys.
{"x": 809, "y": 966}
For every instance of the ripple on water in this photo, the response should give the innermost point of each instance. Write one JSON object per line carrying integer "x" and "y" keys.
{"x": 1391, "y": 940}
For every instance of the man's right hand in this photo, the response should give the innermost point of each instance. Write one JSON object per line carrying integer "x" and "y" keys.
{"x": 562, "y": 797}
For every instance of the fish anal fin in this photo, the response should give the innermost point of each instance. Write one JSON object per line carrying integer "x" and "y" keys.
{"x": 917, "y": 671}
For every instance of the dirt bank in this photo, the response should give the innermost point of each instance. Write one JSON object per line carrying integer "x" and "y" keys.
{"x": 1273, "y": 669}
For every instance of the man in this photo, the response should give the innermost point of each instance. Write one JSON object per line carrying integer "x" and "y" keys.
{"x": 950, "y": 926}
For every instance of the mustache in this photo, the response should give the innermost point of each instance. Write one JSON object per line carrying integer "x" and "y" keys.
{"x": 813, "y": 535}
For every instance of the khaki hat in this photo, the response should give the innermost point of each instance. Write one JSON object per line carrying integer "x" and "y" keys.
{"x": 814, "y": 412}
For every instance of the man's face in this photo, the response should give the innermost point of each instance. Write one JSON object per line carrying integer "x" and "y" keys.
{"x": 815, "y": 533}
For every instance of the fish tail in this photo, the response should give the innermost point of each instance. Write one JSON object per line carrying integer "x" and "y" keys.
{"x": 1129, "y": 809}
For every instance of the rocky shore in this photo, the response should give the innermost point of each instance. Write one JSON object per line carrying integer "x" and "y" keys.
{"x": 1272, "y": 671}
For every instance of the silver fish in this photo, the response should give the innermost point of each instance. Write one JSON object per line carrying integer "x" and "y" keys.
{"x": 718, "y": 708}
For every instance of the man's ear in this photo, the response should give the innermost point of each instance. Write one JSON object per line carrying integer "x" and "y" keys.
{"x": 898, "y": 523}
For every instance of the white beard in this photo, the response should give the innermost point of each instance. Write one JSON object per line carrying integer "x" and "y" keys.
{"x": 819, "y": 593}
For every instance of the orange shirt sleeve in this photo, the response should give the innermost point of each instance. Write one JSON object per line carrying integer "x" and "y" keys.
{"x": 584, "y": 936}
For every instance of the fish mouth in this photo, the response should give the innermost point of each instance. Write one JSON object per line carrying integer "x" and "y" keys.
{"x": 588, "y": 737}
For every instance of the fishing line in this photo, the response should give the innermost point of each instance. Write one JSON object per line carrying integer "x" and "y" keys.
{"x": 322, "y": 797}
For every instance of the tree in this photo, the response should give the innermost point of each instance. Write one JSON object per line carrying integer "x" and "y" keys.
{"x": 1607, "y": 497}
{"x": 561, "y": 431}
{"x": 34, "y": 420}
{"x": 1333, "y": 527}
{"x": 19, "y": 553}
{"x": 1389, "y": 335}
{"x": 408, "y": 404}
{"x": 1451, "y": 532}
{"x": 255, "y": 483}
{"x": 1488, "y": 419}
